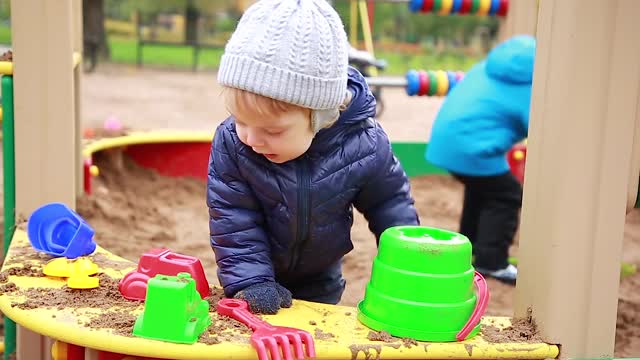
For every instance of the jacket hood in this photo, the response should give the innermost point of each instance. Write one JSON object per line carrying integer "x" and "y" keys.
{"x": 512, "y": 60}
{"x": 363, "y": 104}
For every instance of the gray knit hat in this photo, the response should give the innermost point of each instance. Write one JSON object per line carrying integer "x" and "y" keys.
{"x": 289, "y": 50}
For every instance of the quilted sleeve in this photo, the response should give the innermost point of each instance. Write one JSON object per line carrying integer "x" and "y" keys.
{"x": 236, "y": 222}
{"x": 385, "y": 200}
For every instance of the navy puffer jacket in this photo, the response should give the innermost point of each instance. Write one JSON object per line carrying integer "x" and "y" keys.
{"x": 284, "y": 222}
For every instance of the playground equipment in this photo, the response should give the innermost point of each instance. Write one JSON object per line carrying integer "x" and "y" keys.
{"x": 363, "y": 62}
{"x": 40, "y": 30}
{"x": 589, "y": 195}
{"x": 440, "y": 7}
{"x": 461, "y": 7}
{"x": 171, "y": 153}
{"x": 337, "y": 332}
{"x": 167, "y": 152}
{"x": 421, "y": 82}
{"x": 438, "y": 82}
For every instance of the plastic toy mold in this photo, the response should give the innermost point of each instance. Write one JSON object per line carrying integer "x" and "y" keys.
{"x": 133, "y": 286}
{"x": 173, "y": 310}
{"x": 57, "y": 230}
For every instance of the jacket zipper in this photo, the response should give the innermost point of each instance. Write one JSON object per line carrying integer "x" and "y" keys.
{"x": 304, "y": 212}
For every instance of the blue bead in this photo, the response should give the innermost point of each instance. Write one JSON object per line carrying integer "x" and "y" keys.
{"x": 451, "y": 76}
{"x": 413, "y": 82}
{"x": 416, "y": 5}
{"x": 457, "y": 4}
{"x": 495, "y": 5}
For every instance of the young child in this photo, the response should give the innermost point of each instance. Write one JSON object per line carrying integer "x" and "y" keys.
{"x": 479, "y": 121}
{"x": 299, "y": 151}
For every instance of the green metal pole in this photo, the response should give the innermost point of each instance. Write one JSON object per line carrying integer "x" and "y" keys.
{"x": 9, "y": 169}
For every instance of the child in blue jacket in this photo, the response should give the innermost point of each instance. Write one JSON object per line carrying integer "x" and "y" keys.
{"x": 479, "y": 121}
{"x": 299, "y": 151}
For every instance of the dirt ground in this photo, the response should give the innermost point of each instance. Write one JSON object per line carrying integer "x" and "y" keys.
{"x": 152, "y": 99}
{"x": 134, "y": 209}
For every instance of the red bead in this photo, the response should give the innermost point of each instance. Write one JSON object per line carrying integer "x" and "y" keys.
{"x": 424, "y": 83}
{"x": 466, "y": 7}
{"x": 427, "y": 5}
{"x": 504, "y": 8}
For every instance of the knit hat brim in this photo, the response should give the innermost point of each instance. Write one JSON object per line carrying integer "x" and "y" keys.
{"x": 294, "y": 88}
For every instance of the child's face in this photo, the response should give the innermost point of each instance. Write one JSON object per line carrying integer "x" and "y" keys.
{"x": 279, "y": 138}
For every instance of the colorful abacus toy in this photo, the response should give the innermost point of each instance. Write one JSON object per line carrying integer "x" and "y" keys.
{"x": 461, "y": 7}
{"x": 432, "y": 82}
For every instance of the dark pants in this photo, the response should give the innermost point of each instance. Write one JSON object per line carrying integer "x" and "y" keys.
{"x": 490, "y": 216}
{"x": 326, "y": 287}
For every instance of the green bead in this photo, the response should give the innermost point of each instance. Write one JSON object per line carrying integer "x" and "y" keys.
{"x": 475, "y": 6}
{"x": 433, "y": 83}
{"x": 437, "y": 5}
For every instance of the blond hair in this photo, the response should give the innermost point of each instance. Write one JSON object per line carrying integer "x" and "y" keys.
{"x": 238, "y": 100}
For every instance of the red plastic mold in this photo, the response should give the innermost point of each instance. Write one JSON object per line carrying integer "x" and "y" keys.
{"x": 133, "y": 286}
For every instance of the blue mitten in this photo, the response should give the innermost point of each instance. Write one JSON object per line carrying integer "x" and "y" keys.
{"x": 265, "y": 298}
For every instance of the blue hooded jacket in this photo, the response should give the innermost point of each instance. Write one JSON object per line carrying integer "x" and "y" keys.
{"x": 285, "y": 222}
{"x": 486, "y": 113}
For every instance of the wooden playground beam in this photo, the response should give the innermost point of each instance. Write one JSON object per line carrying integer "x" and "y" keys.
{"x": 45, "y": 103}
{"x": 521, "y": 19}
{"x": 584, "y": 115}
{"x": 45, "y": 35}
{"x": 77, "y": 45}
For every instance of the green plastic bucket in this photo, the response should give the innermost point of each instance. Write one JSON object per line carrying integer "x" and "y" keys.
{"x": 422, "y": 286}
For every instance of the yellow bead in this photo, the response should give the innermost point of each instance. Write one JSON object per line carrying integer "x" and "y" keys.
{"x": 518, "y": 155}
{"x": 94, "y": 171}
{"x": 446, "y": 7}
{"x": 59, "y": 351}
{"x": 485, "y": 6}
{"x": 443, "y": 83}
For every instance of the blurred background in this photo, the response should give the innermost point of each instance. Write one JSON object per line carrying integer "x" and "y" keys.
{"x": 190, "y": 34}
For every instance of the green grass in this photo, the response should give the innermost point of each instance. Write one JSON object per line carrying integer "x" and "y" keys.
{"x": 5, "y": 35}
{"x": 124, "y": 51}
{"x": 399, "y": 64}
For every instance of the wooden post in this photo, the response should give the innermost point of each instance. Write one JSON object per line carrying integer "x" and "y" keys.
{"x": 46, "y": 139}
{"x": 353, "y": 23}
{"x": 584, "y": 114}
{"x": 521, "y": 19}
{"x": 77, "y": 90}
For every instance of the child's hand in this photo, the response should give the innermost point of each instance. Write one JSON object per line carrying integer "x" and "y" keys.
{"x": 265, "y": 298}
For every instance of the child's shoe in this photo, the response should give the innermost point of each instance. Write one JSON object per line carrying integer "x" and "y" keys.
{"x": 507, "y": 275}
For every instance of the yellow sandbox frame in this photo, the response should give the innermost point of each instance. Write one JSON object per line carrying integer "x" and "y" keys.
{"x": 145, "y": 137}
{"x": 349, "y": 336}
